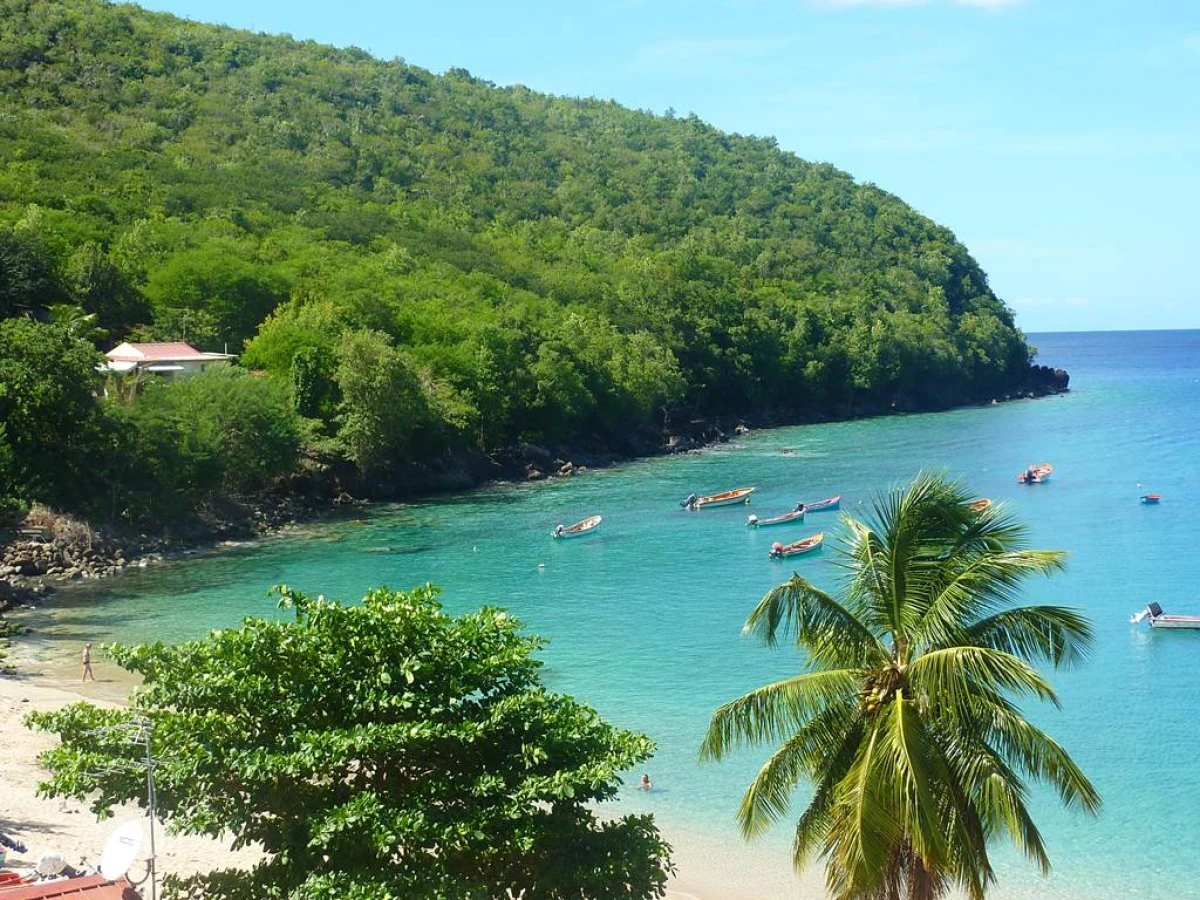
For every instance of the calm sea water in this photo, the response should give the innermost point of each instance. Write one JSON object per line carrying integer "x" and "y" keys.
{"x": 644, "y": 617}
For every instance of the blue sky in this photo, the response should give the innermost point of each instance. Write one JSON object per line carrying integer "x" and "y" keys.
{"x": 1058, "y": 139}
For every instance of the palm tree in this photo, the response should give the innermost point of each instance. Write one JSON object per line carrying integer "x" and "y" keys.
{"x": 906, "y": 721}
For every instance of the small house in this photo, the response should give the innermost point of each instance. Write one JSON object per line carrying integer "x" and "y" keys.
{"x": 167, "y": 360}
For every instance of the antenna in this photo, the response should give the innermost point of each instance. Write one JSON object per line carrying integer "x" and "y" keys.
{"x": 121, "y": 850}
{"x": 138, "y": 730}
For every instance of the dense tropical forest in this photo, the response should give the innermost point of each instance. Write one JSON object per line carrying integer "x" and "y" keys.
{"x": 414, "y": 265}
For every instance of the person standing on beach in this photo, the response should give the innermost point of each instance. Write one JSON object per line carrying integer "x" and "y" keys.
{"x": 87, "y": 662}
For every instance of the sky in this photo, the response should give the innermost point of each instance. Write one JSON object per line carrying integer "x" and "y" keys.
{"x": 1058, "y": 139}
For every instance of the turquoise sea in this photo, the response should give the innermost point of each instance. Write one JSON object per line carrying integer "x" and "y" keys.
{"x": 644, "y": 617}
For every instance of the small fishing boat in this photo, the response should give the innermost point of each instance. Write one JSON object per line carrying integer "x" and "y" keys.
{"x": 780, "y": 550}
{"x": 725, "y": 498}
{"x": 981, "y": 504}
{"x": 1154, "y": 613}
{"x": 796, "y": 515}
{"x": 1151, "y": 498}
{"x": 579, "y": 529}
{"x": 823, "y": 505}
{"x": 1036, "y": 474}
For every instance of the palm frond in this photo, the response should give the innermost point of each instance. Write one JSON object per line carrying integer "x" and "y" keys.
{"x": 976, "y": 588}
{"x": 1001, "y": 801}
{"x": 916, "y": 776}
{"x": 771, "y": 713}
{"x": 1043, "y": 758}
{"x": 812, "y": 829}
{"x": 814, "y": 750}
{"x": 1054, "y": 634}
{"x": 832, "y": 634}
{"x": 951, "y": 674}
{"x": 862, "y": 825}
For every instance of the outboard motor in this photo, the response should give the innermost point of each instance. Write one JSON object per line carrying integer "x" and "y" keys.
{"x": 753, "y": 520}
{"x": 1155, "y": 609}
{"x": 690, "y": 501}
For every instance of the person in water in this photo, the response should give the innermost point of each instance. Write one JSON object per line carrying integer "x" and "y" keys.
{"x": 645, "y": 784}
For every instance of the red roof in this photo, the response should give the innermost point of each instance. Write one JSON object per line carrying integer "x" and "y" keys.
{"x": 90, "y": 887}
{"x": 151, "y": 352}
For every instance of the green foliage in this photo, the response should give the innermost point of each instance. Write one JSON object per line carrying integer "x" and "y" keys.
{"x": 220, "y": 430}
{"x": 907, "y": 721}
{"x": 98, "y": 287}
{"x": 50, "y": 420}
{"x": 384, "y": 405}
{"x": 549, "y": 268}
{"x": 372, "y": 751}
{"x": 29, "y": 277}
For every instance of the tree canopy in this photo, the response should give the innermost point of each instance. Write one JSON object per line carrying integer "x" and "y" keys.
{"x": 906, "y": 720}
{"x": 228, "y": 187}
{"x": 374, "y": 751}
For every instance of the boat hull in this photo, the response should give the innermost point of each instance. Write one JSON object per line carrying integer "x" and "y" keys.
{"x": 798, "y": 548}
{"x": 787, "y": 519}
{"x": 727, "y": 498}
{"x": 1041, "y": 474}
{"x": 1184, "y": 623}
{"x": 579, "y": 529}
{"x": 829, "y": 503}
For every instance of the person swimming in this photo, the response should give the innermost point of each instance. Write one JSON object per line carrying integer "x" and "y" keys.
{"x": 645, "y": 783}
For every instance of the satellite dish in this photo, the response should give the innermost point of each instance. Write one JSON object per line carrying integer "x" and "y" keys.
{"x": 121, "y": 850}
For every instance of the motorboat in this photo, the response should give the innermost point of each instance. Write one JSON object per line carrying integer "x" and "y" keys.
{"x": 579, "y": 529}
{"x": 795, "y": 516}
{"x": 725, "y": 498}
{"x": 1153, "y": 613}
{"x": 780, "y": 550}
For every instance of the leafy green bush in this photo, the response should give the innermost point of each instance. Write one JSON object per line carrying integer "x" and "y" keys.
{"x": 378, "y": 750}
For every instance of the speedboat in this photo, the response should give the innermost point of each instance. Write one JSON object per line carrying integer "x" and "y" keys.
{"x": 1154, "y": 614}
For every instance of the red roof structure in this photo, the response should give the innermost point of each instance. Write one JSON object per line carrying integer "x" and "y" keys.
{"x": 163, "y": 352}
{"x": 90, "y": 887}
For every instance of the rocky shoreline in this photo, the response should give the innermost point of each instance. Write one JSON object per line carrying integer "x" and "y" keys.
{"x": 50, "y": 549}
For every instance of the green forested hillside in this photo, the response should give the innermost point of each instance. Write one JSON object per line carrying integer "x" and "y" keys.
{"x": 427, "y": 261}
